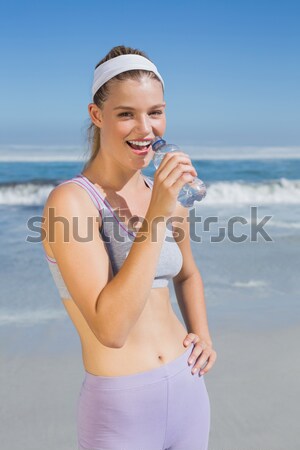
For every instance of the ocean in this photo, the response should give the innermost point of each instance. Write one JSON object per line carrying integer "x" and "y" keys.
{"x": 237, "y": 262}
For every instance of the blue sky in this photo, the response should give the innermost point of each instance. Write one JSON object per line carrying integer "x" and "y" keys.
{"x": 231, "y": 68}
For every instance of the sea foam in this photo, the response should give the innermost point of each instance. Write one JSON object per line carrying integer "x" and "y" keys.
{"x": 280, "y": 191}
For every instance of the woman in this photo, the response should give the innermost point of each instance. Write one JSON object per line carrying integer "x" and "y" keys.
{"x": 138, "y": 392}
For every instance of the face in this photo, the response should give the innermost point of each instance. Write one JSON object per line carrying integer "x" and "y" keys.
{"x": 134, "y": 111}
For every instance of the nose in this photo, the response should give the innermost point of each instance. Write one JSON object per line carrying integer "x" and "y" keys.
{"x": 143, "y": 125}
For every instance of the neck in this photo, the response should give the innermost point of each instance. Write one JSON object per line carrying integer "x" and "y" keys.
{"x": 112, "y": 176}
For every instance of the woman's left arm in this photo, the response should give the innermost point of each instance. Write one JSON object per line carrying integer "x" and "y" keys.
{"x": 189, "y": 291}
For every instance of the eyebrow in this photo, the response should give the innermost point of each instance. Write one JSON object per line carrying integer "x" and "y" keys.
{"x": 129, "y": 107}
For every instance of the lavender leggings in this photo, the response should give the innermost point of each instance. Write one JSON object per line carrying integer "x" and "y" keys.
{"x": 166, "y": 408}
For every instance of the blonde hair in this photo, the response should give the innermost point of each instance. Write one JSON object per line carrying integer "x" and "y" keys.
{"x": 93, "y": 132}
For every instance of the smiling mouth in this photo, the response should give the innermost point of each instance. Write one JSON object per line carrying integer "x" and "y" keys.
{"x": 139, "y": 148}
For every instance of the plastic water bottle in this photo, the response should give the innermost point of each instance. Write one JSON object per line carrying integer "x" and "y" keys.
{"x": 191, "y": 192}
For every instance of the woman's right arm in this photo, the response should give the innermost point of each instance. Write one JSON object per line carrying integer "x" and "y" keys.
{"x": 112, "y": 305}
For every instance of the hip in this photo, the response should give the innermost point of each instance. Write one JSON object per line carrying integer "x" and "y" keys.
{"x": 151, "y": 410}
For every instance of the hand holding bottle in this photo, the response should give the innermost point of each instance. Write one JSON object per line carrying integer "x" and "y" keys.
{"x": 193, "y": 191}
{"x": 174, "y": 171}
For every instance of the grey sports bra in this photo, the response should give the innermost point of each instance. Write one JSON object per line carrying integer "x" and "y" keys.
{"x": 118, "y": 240}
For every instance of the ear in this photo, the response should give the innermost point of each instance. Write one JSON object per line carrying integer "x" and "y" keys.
{"x": 95, "y": 114}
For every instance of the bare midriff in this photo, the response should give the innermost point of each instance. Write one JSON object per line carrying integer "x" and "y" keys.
{"x": 155, "y": 339}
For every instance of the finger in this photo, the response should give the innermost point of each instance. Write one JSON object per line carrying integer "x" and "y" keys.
{"x": 179, "y": 176}
{"x": 191, "y": 337}
{"x": 170, "y": 161}
{"x": 198, "y": 349}
{"x": 209, "y": 365}
{"x": 169, "y": 158}
{"x": 176, "y": 171}
{"x": 201, "y": 361}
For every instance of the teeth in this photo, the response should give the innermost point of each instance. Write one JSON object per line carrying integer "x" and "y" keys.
{"x": 141, "y": 143}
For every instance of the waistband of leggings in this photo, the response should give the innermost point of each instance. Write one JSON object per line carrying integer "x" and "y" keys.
{"x": 141, "y": 378}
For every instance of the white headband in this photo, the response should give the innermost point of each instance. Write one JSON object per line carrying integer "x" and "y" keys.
{"x": 120, "y": 64}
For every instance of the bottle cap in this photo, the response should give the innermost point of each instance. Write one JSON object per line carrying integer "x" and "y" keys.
{"x": 157, "y": 142}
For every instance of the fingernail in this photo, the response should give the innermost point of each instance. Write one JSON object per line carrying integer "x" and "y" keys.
{"x": 194, "y": 371}
{"x": 190, "y": 360}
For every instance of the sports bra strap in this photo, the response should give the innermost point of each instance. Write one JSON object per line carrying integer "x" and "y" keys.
{"x": 81, "y": 182}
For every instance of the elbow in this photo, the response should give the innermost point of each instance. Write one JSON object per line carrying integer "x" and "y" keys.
{"x": 109, "y": 339}
{"x": 110, "y": 343}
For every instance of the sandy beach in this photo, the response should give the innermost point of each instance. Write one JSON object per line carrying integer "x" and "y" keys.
{"x": 253, "y": 388}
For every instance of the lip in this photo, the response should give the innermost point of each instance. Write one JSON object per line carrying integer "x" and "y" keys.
{"x": 142, "y": 140}
{"x": 141, "y": 152}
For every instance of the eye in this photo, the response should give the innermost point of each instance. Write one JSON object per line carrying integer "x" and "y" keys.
{"x": 123, "y": 114}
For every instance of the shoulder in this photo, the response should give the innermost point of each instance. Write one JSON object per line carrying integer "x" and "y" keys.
{"x": 63, "y": 191}
{"x": 71, "y": 194}
{"x": 68, "y": 200}
{"x": 69, "y": 209}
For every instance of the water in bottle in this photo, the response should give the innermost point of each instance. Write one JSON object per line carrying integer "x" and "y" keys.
{"x": 191, "y": 192}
